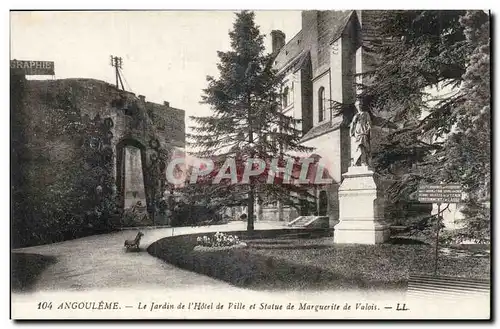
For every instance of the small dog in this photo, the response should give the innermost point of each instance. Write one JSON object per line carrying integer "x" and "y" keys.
{"x": 134, "y": 243}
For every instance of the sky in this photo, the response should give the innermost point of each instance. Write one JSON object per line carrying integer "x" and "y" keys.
{"x": 166, "y": 54}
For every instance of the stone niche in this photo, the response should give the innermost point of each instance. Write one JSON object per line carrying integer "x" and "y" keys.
{"x": 134, "y": 179}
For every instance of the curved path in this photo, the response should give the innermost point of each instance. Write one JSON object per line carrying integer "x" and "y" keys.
{"x": 97, "y": 268}
{"x": 100, "y": 261}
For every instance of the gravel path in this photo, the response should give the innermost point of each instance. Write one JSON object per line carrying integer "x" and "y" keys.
{"x": 100, "y": 261}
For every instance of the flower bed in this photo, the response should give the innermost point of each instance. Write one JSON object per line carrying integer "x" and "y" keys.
{"x": 219, "y": 239}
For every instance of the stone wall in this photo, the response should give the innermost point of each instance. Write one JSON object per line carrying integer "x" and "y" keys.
{"x": 94, "y": 97}
{"x": 336, "y": 71}
{"x": 350, "y": 42}
{"x": 368, "y": 21}
{"x": 306, "y": 93}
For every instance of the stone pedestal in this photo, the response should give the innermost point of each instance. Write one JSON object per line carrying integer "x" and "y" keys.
{"x": 361, "y": 209}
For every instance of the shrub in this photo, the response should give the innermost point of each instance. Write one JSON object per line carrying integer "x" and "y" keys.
{"x": 188, "y": 214}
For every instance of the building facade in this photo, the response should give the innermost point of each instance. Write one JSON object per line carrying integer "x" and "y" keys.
{"x": 320, "y": 65}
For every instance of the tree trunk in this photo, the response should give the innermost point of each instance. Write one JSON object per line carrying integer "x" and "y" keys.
{"x": 260, "y": 209}
{"x": 251, "y": 192}
{"x": 251, "y": 200}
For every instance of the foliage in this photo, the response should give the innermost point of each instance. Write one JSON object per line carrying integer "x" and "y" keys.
{"x": 156, "y": 182}
{"x": 247, "y": 121}
{"x": 476, "y": 223}
{"x": 471, "y": 145}
{"x": 191, "y": 214}
{"x": 431, "y": 78}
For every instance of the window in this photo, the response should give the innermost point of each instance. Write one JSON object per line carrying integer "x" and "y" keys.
{"x": 321, "y": 104}
{"x": 285, "y": 98}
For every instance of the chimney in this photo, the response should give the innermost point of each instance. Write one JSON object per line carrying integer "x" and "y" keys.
{"x": 142, "y": 98}
{"x": 278, "y": 40}
{"x": 167, "y": 104}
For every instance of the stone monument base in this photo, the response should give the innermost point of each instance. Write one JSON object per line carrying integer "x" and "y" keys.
{"x": 361, "y": 209}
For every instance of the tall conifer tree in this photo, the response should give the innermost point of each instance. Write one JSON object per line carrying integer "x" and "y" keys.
{"x": 246, "y": 120}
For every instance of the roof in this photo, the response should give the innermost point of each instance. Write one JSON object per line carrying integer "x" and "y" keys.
{"x": 341, "y": 18}
{"x": 320, "y": 130}
{"x": 336, "y": 20}
{"x": 295, "y": 63}
{"x": 289, "y": 52}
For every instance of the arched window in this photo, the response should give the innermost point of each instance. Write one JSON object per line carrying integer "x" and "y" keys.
{"x": 285, "y": 98}
{"x": 321, "y": 104}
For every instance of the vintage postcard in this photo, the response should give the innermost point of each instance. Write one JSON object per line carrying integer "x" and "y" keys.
{"x": 250, "y": 164}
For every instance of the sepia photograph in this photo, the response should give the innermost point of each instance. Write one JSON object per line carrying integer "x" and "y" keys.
{"x": 250, "y": 164}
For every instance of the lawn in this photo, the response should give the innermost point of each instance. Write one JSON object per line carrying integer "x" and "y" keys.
{"x": 25, "y": 269}
{"x": 315, "y": 263}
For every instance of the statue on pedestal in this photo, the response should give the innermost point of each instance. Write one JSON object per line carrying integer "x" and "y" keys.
{"x": 360, "y": 138}
{"x": 361, "y": 202}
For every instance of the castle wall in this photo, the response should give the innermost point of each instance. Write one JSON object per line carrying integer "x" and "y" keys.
{"x": 50, "y": 154}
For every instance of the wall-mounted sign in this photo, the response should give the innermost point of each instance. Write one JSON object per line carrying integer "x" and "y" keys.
{"x": 439, "y": 193}
{"x": 33, "y": 67}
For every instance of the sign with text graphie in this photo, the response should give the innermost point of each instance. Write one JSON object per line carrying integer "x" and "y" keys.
{"x": 439, "y": 193}
{"x": 33, "y": 67}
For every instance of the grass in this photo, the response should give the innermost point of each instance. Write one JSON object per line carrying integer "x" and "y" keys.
{"x": 289, "y": 263}
{"x": 25, "y": 269}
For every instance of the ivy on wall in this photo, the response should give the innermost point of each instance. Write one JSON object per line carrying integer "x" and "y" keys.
{"x": 62, "y": 184}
